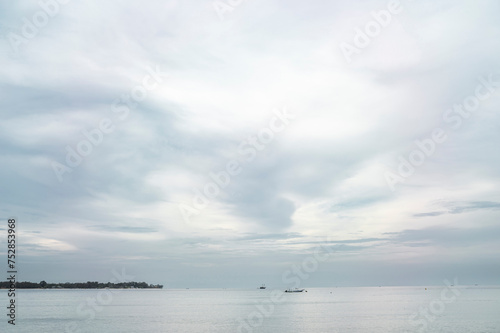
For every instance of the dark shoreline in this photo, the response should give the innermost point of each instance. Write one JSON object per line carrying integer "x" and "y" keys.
{"x": 79, "y": 285}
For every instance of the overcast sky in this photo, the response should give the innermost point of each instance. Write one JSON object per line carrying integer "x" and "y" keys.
{"x": 202, "y": 144}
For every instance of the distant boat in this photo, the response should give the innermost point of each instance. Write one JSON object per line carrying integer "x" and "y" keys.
{"x": 262, "y": 287}
{"x": 294, "y": 290}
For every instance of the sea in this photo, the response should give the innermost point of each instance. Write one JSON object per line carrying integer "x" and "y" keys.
{"x": 365, "y": 309}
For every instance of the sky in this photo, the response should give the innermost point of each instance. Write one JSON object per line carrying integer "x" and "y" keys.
{"x": 232, "y": 143}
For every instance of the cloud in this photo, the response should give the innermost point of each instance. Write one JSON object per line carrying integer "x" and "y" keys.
{"x": 472, "y": 206}
{"x": 428, "y": 214}
{"x": 321, "y": 177}
{"x": 462, "y": 207}
{"x": 257, "y": 237}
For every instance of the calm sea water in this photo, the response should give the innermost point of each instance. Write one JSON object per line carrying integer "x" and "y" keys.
{"x": 371, "y": 310}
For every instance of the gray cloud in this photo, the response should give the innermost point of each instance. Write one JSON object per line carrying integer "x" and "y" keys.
{"x": 428, "y": 214}
{"x": 320, "y": 181}
{"x": 462, "y": 207}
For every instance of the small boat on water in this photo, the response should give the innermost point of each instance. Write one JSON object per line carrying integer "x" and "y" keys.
{"x": 262, "y": 287}
{"x": 296, "y": 290}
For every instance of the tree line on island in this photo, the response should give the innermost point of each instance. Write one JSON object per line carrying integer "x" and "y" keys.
{"x": 80, "y": 285}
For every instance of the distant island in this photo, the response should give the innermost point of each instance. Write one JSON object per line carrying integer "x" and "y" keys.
{"x": 80, "y": 285}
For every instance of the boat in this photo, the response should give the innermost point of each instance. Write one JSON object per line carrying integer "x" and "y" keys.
{"x": 262, "y": 287}
{"x": 296, "y": 290}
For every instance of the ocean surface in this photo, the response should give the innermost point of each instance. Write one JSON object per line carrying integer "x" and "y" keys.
{"x": 370, "y": 309}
